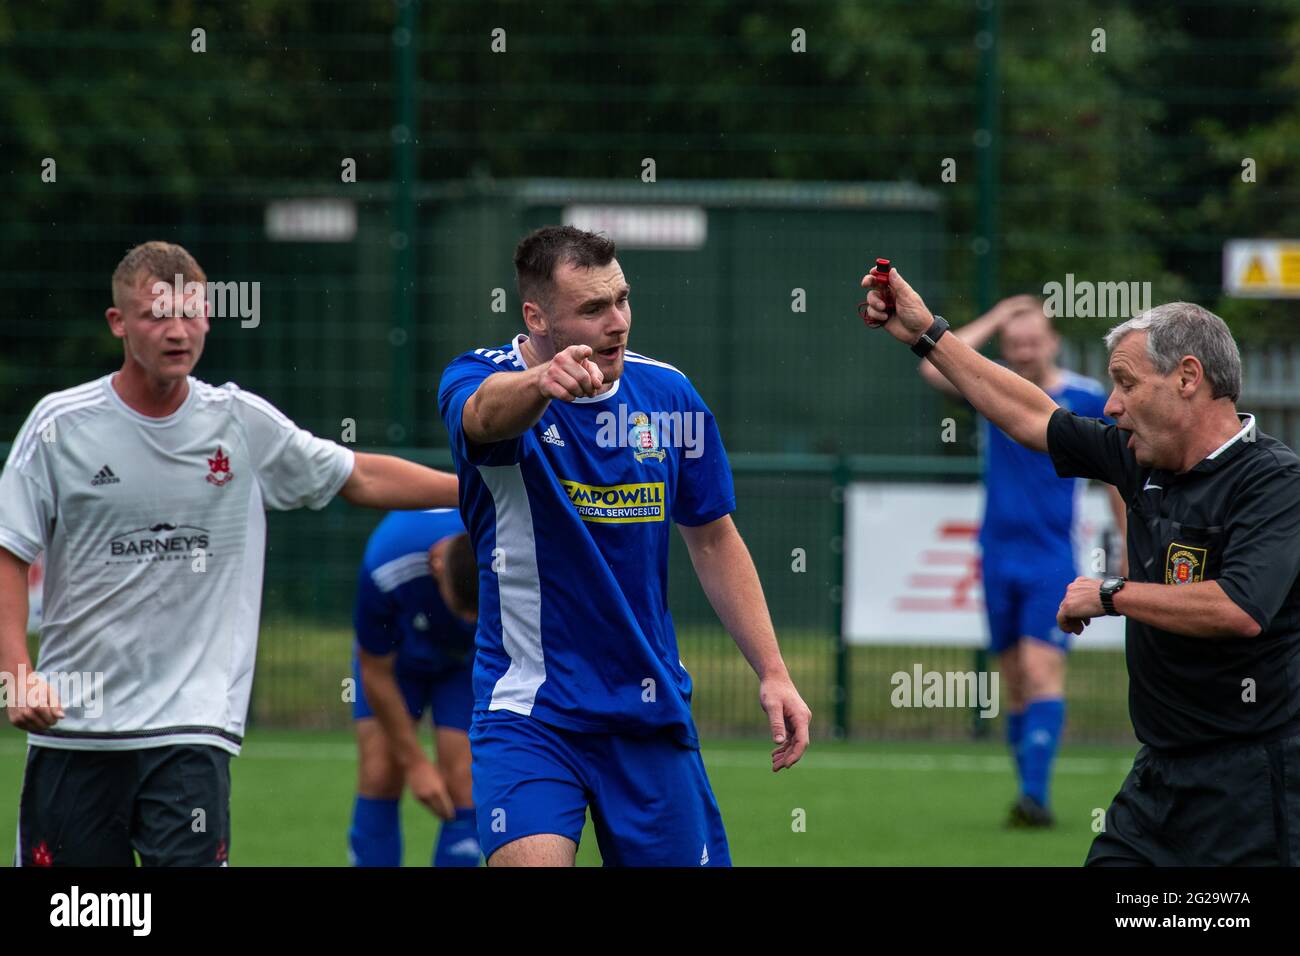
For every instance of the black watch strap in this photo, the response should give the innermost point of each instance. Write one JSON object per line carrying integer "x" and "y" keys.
{"x": 932, "y": 335}
{"x": 1107, "y": 595}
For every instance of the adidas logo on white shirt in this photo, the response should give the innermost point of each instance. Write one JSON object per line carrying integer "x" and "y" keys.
{"x": 552, "y": 435}
{"x": 105, "y": 477}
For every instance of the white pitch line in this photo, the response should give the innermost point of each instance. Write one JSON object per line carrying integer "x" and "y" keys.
{"x": 722, "y": 757}
{"x": 958, "y": 763}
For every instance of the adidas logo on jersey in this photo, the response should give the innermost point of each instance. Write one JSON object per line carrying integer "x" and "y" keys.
{"x": 105, "y": 477}
{"x": 552, "y": 435}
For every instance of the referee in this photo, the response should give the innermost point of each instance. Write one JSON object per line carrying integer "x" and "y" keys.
{"x": 1213, "y": 604}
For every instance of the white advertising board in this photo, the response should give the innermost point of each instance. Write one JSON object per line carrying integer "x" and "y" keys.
{"x": 912, "y": 565}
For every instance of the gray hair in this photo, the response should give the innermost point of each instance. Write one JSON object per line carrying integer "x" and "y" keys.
{"x": 1176, "y": 329}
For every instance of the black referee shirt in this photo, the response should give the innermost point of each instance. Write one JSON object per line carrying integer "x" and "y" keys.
{"x": 1233, "y": 518}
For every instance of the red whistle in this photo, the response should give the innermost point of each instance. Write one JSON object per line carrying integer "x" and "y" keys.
{"x": 880, "y": 274}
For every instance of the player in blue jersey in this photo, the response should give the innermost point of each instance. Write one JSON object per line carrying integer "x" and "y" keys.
{"x": 1027, "y": 546}
{"x": 416, "y": 607}
{"x": 574, "y": 455}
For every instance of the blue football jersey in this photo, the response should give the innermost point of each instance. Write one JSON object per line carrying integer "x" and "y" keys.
{"x": 571, "y": 525}
{"x": 1029, "y": 513}
{"x": 398, "y": 605}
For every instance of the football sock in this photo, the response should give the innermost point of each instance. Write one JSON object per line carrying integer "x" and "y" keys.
{"x": 458, "y": 840}
{"x": 1041, "y": 733}
{"x": 376, "y": 835}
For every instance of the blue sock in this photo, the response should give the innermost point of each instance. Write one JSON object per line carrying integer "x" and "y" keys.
{"x": 376, "y": 835}
{"x": 1042, "y": 732}
{"x": 458, "y": 840}
{"x": 1016, "y": 733}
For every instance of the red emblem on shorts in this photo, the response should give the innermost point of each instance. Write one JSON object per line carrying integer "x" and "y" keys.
{"x": 219, "y": 468}
{"x": 221, "y": 852}
{"x": 41, "y": 855}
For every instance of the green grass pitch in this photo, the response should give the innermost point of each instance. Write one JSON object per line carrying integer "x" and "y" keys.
{"x": 890, "y": 804}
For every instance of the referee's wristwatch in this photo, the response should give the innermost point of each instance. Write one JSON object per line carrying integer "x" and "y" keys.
{"x": 930, "y": 336}
{"x": 1109, "y": 587}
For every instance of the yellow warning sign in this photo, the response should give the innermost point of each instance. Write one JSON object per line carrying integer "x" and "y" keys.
{"x": 1262, "y": 268}
{"x": 1255, "y": 273}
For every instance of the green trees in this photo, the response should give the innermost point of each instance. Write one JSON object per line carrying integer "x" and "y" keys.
{"x": 1119, "y": 162}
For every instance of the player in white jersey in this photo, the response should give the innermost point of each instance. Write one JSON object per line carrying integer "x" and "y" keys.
{"x": 146, "y": 491}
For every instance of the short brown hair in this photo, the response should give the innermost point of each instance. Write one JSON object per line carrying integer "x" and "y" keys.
{"x": 161, "y": 260}
{"x": 539, "y": 252}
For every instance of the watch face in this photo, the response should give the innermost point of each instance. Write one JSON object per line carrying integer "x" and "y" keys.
{"x": 1111, "y": 584}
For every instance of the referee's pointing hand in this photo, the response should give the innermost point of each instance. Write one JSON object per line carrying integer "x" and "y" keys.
{"x": 571, "y": 374}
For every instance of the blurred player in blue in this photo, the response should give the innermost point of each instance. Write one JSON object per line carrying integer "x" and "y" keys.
{"x": 417, "y": 603}
{"x": 1027, "y": 545}
{"x": 574, "y": 455}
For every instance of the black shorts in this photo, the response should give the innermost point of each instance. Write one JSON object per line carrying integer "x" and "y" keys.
{"x": 171, "y": 805}
{"x": 1236, "y": 806}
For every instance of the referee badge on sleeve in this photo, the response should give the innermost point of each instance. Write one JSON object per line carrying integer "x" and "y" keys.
{"x": 1184, "y": 564}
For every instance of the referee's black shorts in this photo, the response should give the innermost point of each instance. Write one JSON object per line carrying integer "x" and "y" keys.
{"x": 171, "y": 805}
{"x": 1235, "y": 805}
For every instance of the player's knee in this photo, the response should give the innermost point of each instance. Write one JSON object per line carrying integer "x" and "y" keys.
{"x": 378, "y": 774}
{"x": 459, "y": 780}
{"x": 1013, "y": 679}
{"x": 454, "y": 762}
{"x": 459, "y": 784}
{"x": 1043, "y": 675}
{"x": 383, "y": 783}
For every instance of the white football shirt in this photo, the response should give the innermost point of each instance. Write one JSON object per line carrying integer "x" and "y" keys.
{"x": 154, "y": 534}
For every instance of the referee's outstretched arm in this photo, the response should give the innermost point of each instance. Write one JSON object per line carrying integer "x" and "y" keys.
{"x": 1017, "y": 406}
{"x": 1260, "y": 526}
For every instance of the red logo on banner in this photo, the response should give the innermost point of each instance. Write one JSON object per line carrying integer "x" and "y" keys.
{"x": 954, "y": 575}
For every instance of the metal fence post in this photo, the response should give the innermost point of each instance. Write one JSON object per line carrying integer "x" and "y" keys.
{"x": 840, "y": 481}
{"x": 988, "y": 251}
{"x": 401, "y": 429}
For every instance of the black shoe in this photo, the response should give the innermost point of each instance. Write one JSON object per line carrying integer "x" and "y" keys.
{"x": 1028, "y": 814}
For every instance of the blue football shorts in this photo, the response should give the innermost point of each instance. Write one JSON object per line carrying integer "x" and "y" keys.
{"x": 649, "y": 796}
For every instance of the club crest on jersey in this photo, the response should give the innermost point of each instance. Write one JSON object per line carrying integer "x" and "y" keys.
{"x": 645, "y": 442}
{"x": 1184, "y": 564}
{"x": 219, "y": 468}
